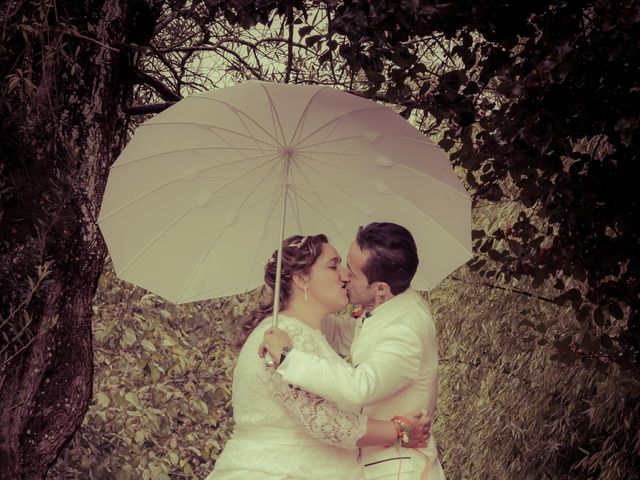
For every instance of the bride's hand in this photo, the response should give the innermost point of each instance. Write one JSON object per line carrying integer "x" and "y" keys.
{"x": 275, "y": 339}
{"x": 417, "y": 426}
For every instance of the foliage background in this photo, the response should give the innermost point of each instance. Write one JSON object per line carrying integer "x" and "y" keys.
{"x": 162, "y": 408}
{"x": 536, "y": 101}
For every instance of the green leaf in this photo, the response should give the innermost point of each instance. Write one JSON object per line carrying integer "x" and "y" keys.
{"x": 605, "y": 341}
{"x": 446, "y": 144}
{"x": 147, "y": 345}
{"x": 305, "y": 30}
{"x": 132, "y": 398}
{"x": 102, "y": 400}
{"x": 140, "y": 437}
{"x": 392, "y": 94}
{"x": 312, "y": 40}
{"x": 616, "y": 311}
{"x": 129, "y": 337}
{"x": 515, "y": 247}
{"x": 573, "y": 295}
{"x": 495, "y": 255}
{"x": 325, "y": 57}
{"x": 374, "y": 77}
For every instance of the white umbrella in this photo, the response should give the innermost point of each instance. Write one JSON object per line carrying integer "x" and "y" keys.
{"x": 206, "y": 190}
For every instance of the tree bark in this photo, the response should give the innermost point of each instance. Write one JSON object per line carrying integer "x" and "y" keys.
{"x": 75, "y": 126}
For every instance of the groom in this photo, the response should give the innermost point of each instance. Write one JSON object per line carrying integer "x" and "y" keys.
{"x": 392, "y": 347}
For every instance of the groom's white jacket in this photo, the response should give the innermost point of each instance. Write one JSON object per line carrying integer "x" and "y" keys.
{"x": 394, "y": 354}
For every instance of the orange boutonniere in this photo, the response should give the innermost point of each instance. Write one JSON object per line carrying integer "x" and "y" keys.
{"x": 358, "y": 312}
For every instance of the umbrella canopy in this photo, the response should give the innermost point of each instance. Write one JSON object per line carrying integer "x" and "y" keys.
{"x": 196, "y": 202}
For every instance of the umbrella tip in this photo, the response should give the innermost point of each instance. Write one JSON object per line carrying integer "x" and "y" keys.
{"x": 288, "y": 153}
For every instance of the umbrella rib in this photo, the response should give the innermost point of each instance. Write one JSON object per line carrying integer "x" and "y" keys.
{"x": 274, "y": 113}
{"x": 404, "y": 200}
{"x": 296, "y": 208}
{"x": 310, "y": 165}
{"x": 315, "y": 192}
{"x": 139, "y": 197}
{"x": 211, "y": 127}
{"x": 327, "y": 218}
{"x": 264, "y": 227}
{"x": 238, "y": 210}
{"x": 339, "y": 118}
{"x": 425, "y": 143}
{"x": 258, "y": 201}
{"x": 305, "y": 113}
{"x": 186, "y": 284}
{"x": 238, "y": 111}
{"x": 191, "y": 149}
{"x": 346, "y": 204}
{"x": 437, "y": 224}
{"x": 424, "y": 279}
{"x": 177, "y": 219}
{"x": 253, "y": 136}
{"x": 296, "y": 211}
{"x": 395, "y": 164}
{"x": 333, "y": 140}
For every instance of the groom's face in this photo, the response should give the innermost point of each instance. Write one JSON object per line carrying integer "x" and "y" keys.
{"x": 358, "y": 288}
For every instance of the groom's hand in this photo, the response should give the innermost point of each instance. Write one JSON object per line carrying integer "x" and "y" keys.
{"x": 419, "y": 429}
{"x": 275, "y": 339}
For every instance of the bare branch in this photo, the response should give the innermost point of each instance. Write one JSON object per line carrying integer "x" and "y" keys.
{"x": 170, "y": 18}
{"x": 242, "y": 61}
{"x": 165, "y": 92}
{"x": 287, "y": 74}
{"x": 146, "y": 109}
{"x": 506, "y": 289}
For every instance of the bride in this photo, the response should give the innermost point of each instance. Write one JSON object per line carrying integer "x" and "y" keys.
{"x": 281, "y": 432}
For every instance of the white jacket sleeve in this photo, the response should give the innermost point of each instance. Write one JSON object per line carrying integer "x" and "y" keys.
{"x": 391, "y": 366}
{"x": 322, "y": 419}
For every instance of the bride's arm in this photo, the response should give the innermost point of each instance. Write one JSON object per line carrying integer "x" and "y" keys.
{"x": 392, "y": 365}
{"x": 328, "y": 423}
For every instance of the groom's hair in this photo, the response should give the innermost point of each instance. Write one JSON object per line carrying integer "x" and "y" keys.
{"x": 393, "y": 256}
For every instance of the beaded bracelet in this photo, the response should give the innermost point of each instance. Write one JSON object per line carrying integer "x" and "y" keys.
{"x": 402, "y": 425}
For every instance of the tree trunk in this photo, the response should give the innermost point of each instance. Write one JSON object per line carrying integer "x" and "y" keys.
{"x": 73, "y": 127}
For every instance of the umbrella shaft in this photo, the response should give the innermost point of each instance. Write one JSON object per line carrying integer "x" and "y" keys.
{"x": 276, "y": 294}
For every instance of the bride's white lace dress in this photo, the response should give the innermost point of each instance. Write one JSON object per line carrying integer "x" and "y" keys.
{"x": 283, "y": 433}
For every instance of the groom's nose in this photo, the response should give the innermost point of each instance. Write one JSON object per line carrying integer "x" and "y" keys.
{"x": 345, "y": 274}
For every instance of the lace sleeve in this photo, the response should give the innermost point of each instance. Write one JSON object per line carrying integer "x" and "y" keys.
{"x": 321, "y": 418}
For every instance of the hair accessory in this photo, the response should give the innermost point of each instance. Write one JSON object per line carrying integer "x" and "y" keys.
{"x": 298, "y": 243}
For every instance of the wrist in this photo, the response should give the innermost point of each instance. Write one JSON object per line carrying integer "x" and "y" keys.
{"x": 283, "y": 354}
{"x": 403, "y": 426}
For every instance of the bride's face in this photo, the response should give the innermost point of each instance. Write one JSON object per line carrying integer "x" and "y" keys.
{"x": 328, "y": 280}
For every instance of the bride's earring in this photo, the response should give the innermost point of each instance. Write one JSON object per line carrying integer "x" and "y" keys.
{"x": 306, "y": 294}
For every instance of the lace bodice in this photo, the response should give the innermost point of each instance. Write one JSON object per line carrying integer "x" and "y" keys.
{"x": 283, "y": 430}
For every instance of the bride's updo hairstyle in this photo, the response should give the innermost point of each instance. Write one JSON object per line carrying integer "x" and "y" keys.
{"x": 298, "y": 256}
